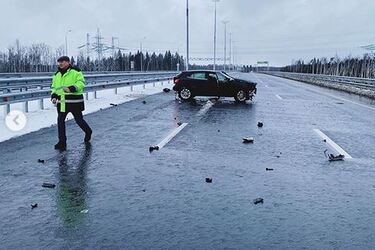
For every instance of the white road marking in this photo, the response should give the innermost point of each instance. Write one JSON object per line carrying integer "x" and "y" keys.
{"x": 334, "y": 146}
{"x": 171, "y": 135}
{"x": 279, "y": 97}
{"x": 205, "y": 108}
{"x": 175, "y": 132}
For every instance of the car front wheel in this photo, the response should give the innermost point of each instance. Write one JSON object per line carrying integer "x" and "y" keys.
{"x": 185, "y": 94}
{"x": 240, "y": 96}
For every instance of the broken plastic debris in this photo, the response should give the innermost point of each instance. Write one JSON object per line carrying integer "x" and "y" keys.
{"x": 152, "y": 148}
{"x": 40, "y": 161}
{"x": 269, "y": 169}
{"x": 48, "y": 185}
{"x": 209, "y": 180}
{"x": 248, "y": 140}
{"x": 34, "y": 205}
{"x": 260, "y": 124}
{"x": 166, "y": 90}
{"x": 85, "y": 211}
{"x": 258, "y": 200}
{"x": 112, "y": 104}
{"x": 332, "y": 157}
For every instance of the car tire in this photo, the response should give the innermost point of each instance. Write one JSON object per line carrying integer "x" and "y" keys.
{"x": 240, "y": 96}
{"x": 185, "y": 94}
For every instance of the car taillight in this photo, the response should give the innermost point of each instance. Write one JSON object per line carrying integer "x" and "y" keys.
{"x": 176, "y": 80}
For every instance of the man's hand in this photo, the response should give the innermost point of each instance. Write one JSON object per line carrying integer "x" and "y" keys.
{"x": 66, "y": 90}
{"x": 54, "y": 100}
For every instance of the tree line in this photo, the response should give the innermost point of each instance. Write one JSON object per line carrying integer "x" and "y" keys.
{"x": 40, "y": 57}
{"x": 349, "y": 66}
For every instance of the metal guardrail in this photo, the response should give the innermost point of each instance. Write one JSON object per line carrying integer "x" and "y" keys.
{"x": 40, "y": 74}
{"x": 11, "y": 98}
{"x": 365, "y": 83}
{"x": 25, "y": 83}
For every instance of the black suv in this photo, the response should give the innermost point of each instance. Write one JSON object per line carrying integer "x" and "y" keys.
{"x": 212, "y": 83}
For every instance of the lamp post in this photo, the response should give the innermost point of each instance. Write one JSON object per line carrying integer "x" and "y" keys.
{"x": 66, "y": 41}
{"x": 142, "y": 54}
{"x": 225, "y": 43}
{"x": 215, "y": 1}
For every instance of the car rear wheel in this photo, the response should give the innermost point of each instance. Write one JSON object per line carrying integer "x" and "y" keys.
{"x": 240, "y": 96}
{"x": 185, "y": 94}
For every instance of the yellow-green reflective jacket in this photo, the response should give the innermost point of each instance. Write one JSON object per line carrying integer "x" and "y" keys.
{"x": 74, "y": 80}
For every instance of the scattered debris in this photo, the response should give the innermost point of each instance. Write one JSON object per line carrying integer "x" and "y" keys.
{"x": 85, "y": 211}
{"x": 152, "y": 148}
{"x": 40, "y": 161}
{"x": 179, "y": 123}
{"x": 166, "y": 90}
{"x": 208, "y": 179}
{"x": 248, "y": 140}
{"x": 260, "y": 124}
{"x": 269, "y": 169}
{"x": 258, "y": 200}
{"x": 112, "y": 104}
{"x": 34, "y": 205}
{"x": 332, "y": 157}
{"x": 48, "y": 185}
{"x": 144, "y": 102}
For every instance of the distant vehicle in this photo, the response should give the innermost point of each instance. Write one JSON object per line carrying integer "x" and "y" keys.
{"x": 189, "y": 84}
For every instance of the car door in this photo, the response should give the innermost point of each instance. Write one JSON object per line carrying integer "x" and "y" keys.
{"x": 197, "y": 82}
{"x": 211, "y": 86}
{"x": 225, "y": 86}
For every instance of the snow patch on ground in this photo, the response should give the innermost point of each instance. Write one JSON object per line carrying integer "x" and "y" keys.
{"x": 38, "y": 119}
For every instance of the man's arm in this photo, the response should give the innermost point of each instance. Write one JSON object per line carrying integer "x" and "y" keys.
{"x": 79, "y": 85}
{"x": 53, "y": 89}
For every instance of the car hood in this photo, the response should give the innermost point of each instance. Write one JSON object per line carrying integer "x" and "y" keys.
{"x": 245, "y": 82}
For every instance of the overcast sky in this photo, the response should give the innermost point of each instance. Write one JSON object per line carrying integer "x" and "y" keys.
{"x": 274, "y": 30}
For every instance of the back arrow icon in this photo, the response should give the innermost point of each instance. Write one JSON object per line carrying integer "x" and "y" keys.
{"x": 15, "y": 120}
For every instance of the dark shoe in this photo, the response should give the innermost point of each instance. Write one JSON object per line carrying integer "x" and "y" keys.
{"x": 88, "y": 136}
{"x": 60, "y": 146}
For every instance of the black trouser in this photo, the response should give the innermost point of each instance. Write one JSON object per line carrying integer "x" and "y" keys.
{"x": 78, "y": 117}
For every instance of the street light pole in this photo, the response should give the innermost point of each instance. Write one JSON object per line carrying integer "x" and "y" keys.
{"x": 215, "y": 1}
{"x": 66, "y": 41}
{"x": 230, "y": 50}
{"x": 141, "y": 55}
{"x": 225, "y": 43}
{"x": 187, "y": 34}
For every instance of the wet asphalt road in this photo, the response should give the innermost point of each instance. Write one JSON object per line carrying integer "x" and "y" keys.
{"x": 138, "y": 200}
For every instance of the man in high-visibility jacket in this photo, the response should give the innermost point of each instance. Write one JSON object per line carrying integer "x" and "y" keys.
{"x": 67, "y": 94}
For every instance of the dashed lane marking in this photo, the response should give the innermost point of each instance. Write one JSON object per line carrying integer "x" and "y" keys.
{"x": 331, "y": 143}
{"x": 171, "y": 135}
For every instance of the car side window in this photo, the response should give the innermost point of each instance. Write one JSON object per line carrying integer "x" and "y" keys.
{"x": 221, "y": 78}
{"x": 199, "y": 76}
